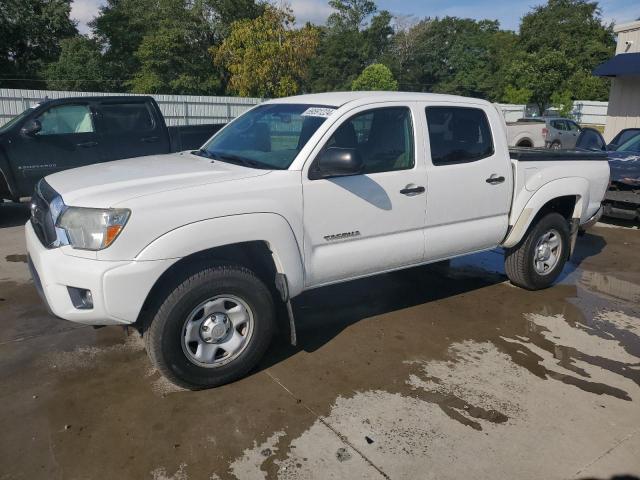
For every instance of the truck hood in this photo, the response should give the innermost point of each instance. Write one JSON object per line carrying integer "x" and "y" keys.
{"x": 104, "y": 185}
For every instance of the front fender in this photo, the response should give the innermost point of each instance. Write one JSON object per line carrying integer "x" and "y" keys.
{"x": 217, "y": 232}
{"x": 563, "y": 187}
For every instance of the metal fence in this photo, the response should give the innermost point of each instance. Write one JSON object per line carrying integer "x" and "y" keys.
{"x": 197, "y": 109}
{"x": 177, "y": 109}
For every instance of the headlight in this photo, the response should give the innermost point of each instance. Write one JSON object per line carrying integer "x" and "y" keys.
{"x": 92, "y": 228}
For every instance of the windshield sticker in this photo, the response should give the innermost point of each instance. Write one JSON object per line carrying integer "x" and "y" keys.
{"x": 318, "y": 112}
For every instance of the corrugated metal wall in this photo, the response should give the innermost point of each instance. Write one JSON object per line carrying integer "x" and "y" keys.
{"x": 177, "y": 109}
{"x": 195, "y": 109}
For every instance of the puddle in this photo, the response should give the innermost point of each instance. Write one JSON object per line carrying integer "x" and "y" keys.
{"x": 16, "y": 258}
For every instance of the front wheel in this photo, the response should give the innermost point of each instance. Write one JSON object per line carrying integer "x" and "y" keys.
{"x": 537, "y": 261}
{"x": 212, "y": 328}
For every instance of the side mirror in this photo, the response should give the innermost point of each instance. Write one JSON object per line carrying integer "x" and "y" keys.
{"x": 337, "y": 162}
{"x": 31, "y": 128}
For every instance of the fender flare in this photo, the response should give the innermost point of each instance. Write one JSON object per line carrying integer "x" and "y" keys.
{"x": 271, "y": 228}
{"x": 563, "y": 187}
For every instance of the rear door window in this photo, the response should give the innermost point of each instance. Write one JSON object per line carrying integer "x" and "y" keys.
{"x": 127, "y": 117}
{"x": 66, "y": 119}
{"x": 558, "y": 125}
{"x": 458, "y": 135}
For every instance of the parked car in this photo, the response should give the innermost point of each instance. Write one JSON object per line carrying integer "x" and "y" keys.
{"x": 549, "y": 132}
{"x": 195, "y": 249}
{"x": 622, "y": 199}
{"x": 71, "y": 132}
{"x": 622, "y": 137}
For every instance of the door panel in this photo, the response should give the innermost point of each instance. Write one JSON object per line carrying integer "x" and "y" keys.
{"x": 129, "y": 129}
{"x": 363, "y": 224}
{"x": 469, "y": 181}
{"x": 66, "y": 140}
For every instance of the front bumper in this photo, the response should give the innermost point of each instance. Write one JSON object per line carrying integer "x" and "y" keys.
{"x": 119, "y": 288}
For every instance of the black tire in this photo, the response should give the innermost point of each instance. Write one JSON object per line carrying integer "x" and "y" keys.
{"x": 163, "y": 337}
{"x": 556, "y": 146}
{"x": 519, "y": 260}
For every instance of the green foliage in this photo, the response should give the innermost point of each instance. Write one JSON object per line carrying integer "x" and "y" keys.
{"x": 171, "y": 62}
{"x": 470, "y": 62}
{"x": 562, "y": 102}
{"x": 542, "y": 73}
{"x": 79, "y": 67}
{"x": 30, "y": 35}
{"x": 356, "y": 36}
{"x": 572, "y": 40}
{"x": 165, "y": 46}
{"x": 267, "y": 56}
{"x": 375, "y": 77}
{"x": 518, "y": 96}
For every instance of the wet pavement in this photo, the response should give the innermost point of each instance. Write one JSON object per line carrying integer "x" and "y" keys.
{"x": 435, "y": 372}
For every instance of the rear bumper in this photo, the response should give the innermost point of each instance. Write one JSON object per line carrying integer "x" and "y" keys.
{"x": 623, "y": 204}
{"x": 119, "y": 288}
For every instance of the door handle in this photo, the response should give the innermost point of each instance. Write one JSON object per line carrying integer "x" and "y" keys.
{"x": 410, "y": 191}
{"x": 149, "y": 139}
{"x": 495, "y": 179}
{"x": 87, "y": 144}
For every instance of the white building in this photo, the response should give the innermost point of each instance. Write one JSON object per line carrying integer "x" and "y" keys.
{"x": 624, "y": 70}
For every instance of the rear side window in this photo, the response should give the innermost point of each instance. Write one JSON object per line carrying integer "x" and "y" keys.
{"x": 458, "y": 135}
{"x": 126, "y": 117}
{"x": 558, "y": 125}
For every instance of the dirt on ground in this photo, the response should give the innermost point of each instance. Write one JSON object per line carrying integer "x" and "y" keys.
{"x": 443, "y": 371}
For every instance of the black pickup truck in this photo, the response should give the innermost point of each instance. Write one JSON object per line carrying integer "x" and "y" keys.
{"x": 71, "y": 132}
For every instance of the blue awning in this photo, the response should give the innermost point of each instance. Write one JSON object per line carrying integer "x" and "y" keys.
{"x": 620, "y": 65}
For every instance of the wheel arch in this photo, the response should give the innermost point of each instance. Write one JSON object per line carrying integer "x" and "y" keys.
{"x": 263, "y": 242}
{"x": 567, "y": 196}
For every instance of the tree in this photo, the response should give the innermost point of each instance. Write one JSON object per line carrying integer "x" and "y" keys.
{"x": 30, "y": 35}
{"x": 79, "y": 67}
{"x": 518, "y": 96}
{"x": 543, "y": 74}
{"x": 267, "y": 56}
{"x": 375, "y": 77}
{"x": 162, "y": 45}
{"x": 452, "y": 55}
{"x": 355, "y": 36}
{"x": 574, "y": 29}
{"x": 350, "y": 14}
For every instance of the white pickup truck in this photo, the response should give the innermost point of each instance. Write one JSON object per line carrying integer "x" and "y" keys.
{"x": 196, "y": 249}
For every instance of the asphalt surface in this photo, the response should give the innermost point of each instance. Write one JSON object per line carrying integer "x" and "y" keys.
{"x": 436, "y": 372}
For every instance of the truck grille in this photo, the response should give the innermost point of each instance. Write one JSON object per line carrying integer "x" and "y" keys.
{"x": 41, "y": 219}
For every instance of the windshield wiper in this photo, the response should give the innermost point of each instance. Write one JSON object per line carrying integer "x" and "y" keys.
{"x": 237, "y": 159}
{"x": 202, "y": 153}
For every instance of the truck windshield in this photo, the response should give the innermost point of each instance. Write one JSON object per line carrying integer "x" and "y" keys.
{"x": 15, "y": 120}
{"x": 269, "y": 136}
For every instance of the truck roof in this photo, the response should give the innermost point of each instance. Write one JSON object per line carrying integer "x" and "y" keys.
{"x": 93, "y": 98}
{"x": 337, "y": 99}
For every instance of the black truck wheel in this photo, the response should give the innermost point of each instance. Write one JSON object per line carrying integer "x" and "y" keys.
{"x": 212, "y": 328}
{"x": 537, "y": 261}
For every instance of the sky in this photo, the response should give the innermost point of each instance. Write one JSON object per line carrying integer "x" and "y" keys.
{"x": 508, "y": 12}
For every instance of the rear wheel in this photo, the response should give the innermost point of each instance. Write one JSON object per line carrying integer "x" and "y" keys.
{"x": 537, "y": 261}
{"x": 213, "y": 328}
{"x": 556, "y": 145}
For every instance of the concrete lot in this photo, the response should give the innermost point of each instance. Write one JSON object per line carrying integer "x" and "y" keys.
{"x": 429, "y": 373}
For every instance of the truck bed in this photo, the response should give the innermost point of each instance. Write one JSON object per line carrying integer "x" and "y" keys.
{"x": 547, "y": 155}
